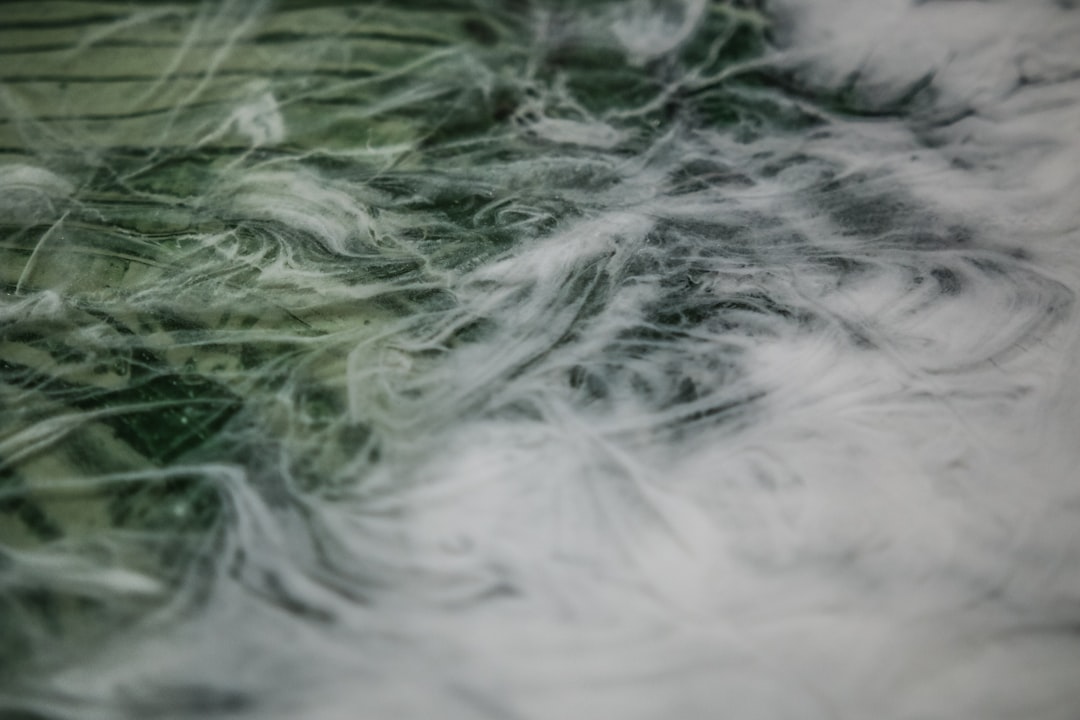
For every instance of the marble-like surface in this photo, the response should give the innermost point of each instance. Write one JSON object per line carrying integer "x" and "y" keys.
{"x": 540, "y": 359}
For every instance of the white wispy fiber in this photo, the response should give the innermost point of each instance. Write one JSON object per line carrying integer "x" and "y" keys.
{"x": 541, "y": 360}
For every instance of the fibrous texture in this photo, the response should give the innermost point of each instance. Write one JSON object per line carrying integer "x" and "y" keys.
{"x": 539, "y": 359}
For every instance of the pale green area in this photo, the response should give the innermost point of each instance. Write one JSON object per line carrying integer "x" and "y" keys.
{"x": 172, "y": 183}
